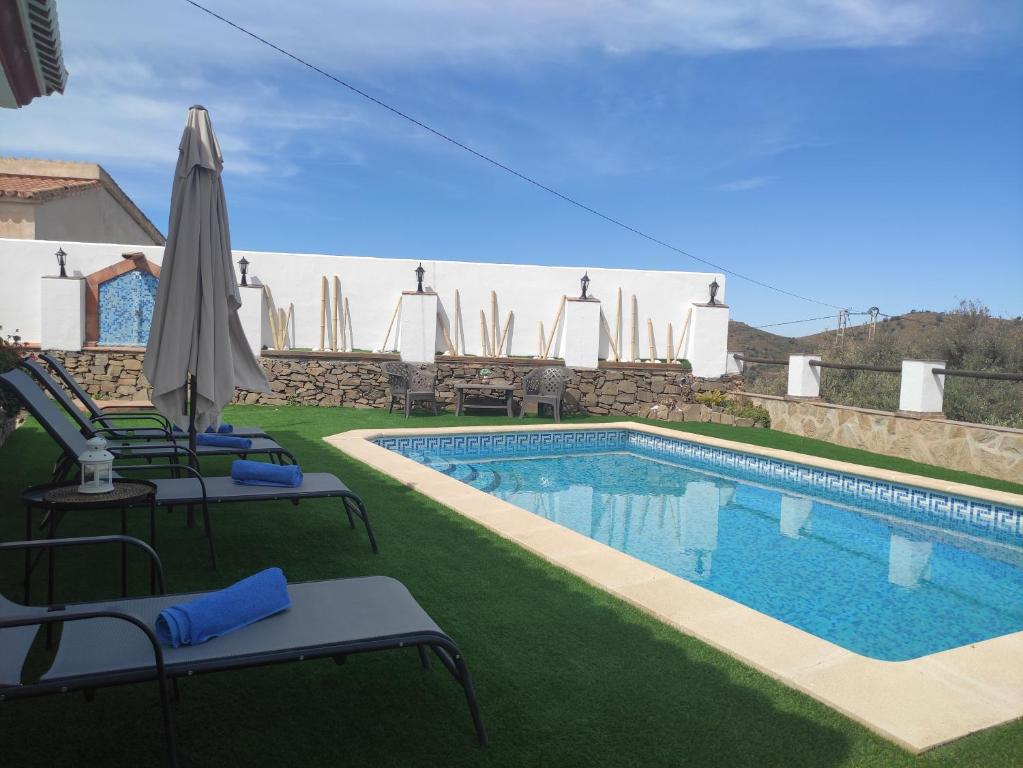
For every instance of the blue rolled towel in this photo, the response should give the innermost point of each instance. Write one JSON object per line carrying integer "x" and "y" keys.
{"x": 219, "y": 613}
{"x": 223, "y": 441}
{"x": 247, "y": 472}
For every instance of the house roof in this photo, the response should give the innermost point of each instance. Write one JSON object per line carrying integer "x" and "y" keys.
{"x": 42, "y": 188}
{"x": 36, "y": 181}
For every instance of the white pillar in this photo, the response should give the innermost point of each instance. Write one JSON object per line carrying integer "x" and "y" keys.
{"x": 62, "y": 325}
{"x": 922, "y": 390}
{"x": 581, "y": 337}
{"x": 252, "y": 315}
{"x": 706, "y": 343}
{"x": 418, "y": 339}
{"x": 804, "y": 379}
{"x": 732, "y": 363}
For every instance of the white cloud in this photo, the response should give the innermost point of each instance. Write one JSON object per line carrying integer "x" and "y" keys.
{"x": 136, "y": 67}
{"x": 745, "y": 185}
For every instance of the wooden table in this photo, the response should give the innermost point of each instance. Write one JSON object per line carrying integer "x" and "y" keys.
{"x": 498, "y": 397}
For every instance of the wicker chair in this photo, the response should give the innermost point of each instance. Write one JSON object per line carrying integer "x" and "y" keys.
{"x": 410, "y": 384}
{"x": 545, "y": 386}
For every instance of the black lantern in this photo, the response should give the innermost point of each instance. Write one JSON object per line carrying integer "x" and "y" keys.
{"x": 420, "y": 272}
{"x": 585, "y": 283}
{"x": 243, "y": 263}
{"x": 61, "y": 261}
{"x": 714, "y": 292}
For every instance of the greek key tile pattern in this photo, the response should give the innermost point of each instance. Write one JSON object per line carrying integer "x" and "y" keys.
{"x": 932, "y": 507}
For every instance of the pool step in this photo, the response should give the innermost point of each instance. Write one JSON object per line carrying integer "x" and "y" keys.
{"x": 488, "y": 481}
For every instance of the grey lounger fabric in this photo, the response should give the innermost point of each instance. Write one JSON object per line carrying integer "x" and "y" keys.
{"x": 324, "y": 616}
{"x": 105, "y": 419}
{"x": 15, "y": 642}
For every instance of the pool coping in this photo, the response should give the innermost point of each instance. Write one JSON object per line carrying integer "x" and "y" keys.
{"x": 919, "y": 704}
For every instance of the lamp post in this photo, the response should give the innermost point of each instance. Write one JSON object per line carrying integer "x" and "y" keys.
{"x": 420, "y": 272}
{"x": 61, "y": 261}
{"x": 585, "y": 283}
{"x": 714, "y": 292}
{"x": 243, "y": 263}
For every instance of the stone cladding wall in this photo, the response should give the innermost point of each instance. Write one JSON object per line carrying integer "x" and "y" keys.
{"x": 355, "y": 379}
{"x": 978, "y": 448}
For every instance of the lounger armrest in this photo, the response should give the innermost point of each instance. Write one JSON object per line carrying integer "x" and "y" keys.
{"x": 60, "y": 615}
{"x": 162, "y": 421}
{"x": 86, "y": 540}
{"x": 176, "y": 447}
{"x": 168, "y": 468}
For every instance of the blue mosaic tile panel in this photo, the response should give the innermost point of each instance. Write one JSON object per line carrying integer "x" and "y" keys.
{"x": 932, "y": 507}
{"x": 126, "y": 308}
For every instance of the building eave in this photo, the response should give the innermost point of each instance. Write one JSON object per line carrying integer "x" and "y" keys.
{"x": 31, "y": 59}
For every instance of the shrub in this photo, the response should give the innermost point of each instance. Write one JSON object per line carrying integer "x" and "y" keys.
{"x": 685, "y": 364}
{"x": 743, "y": 409}
{"x": 712, "y": 398}
{"x": 11, "y": 351}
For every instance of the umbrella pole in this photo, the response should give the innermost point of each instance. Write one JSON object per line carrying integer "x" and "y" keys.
{"x": 192, "y": 386}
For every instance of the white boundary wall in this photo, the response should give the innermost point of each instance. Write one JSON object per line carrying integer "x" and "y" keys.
{"x": 373, "y": 286}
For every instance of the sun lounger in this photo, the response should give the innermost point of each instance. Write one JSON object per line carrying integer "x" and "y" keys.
{"x": 53, "y": 417}
{"x": 194, "y": 488}
{"x": 112, "y": 643}
{"x": 111, "y": 420}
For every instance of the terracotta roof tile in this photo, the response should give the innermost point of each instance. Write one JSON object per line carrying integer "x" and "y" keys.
{"x": 41, "y": 187}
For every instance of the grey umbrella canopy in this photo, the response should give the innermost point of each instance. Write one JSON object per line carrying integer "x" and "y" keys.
{"x": 195, "y": 330}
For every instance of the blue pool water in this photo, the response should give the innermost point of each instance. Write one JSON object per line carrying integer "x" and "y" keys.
{"x": 886, "y": 571}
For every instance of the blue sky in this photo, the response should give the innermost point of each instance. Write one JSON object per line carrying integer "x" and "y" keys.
{"x": 859, "y": 152}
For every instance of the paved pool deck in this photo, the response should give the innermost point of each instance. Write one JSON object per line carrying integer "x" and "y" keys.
{"x": 919, "y": 704}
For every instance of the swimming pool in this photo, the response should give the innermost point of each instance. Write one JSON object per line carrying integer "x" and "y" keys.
{"x": 883, "y": 569}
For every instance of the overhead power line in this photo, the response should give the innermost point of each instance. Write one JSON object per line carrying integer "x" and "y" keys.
{"x": 796, "y": 322}
{"x": 502, "y": 166}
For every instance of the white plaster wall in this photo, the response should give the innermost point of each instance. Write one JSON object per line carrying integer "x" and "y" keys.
{"x": 373, "y": 287}
{"x": 93, "y": 216}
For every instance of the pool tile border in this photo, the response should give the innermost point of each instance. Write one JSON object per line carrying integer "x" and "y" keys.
{"x": 951, "y": 510}
{"x": 919, "y": 704}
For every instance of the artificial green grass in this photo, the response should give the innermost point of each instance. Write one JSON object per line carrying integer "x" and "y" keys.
{"x": 566, "y": 674}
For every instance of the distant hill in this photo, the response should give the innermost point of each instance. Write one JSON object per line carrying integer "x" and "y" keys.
{"x": 967, "y": 337}
{"x": 910, "y": 331}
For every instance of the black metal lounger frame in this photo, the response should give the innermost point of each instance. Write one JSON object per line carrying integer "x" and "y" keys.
{"x": 443, "y": 646}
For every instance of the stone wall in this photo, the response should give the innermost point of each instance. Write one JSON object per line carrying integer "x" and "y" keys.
{"x": 978, "y": 448}
{"x": 355, "y": 379}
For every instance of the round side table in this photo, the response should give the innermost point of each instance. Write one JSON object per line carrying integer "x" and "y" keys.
{"x": 58, "y": 499}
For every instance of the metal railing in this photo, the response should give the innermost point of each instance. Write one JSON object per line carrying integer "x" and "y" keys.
{"x": 854, "y": 367}
{"x": 996, "y": 375}
{"x": 993, "y": 375}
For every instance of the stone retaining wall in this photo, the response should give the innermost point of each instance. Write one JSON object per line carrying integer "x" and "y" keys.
{"x": 978, "y": 448}
{"x": 355, "y": 379}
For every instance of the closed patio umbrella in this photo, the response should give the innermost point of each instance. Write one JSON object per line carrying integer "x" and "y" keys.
{"x": 197, "y": 353}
